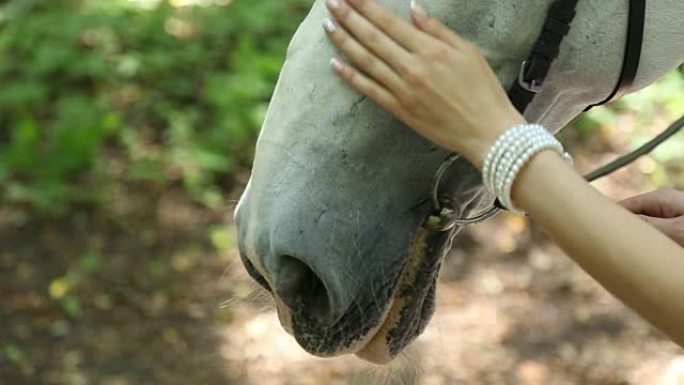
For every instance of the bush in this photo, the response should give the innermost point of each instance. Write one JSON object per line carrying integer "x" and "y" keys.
{"x": 96, "y": 93}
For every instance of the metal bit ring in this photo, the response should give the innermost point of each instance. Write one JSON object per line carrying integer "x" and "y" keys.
{"x": 444, "y": 215}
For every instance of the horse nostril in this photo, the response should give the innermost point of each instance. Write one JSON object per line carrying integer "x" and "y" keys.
{"x": 302, "y": 290}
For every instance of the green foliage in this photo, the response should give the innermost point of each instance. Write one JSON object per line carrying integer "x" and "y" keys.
{"x": 97, "y": 93}
{"x": 648, "y": 112}
{"x": 662, "y": 99}
{"x": 13, "y": 353}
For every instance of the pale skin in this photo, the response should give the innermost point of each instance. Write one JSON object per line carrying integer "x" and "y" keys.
{"x": 664, "y": 209}
{"x": 441, "y": 86}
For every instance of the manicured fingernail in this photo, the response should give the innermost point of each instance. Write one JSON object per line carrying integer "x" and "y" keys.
{"x": 329, "y": 25}
{"x": 415, "y": 7}
{"x": 333, "y": 4}
{"x": 334, "y": 63}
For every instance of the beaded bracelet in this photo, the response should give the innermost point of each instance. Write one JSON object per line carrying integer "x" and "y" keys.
{"x": 510, "y": 153}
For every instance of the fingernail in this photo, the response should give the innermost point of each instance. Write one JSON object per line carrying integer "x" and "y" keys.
{"x": 415, "y": 7}
{"x": 329, "y": 25}
{"x": 334, "y": 63}
{"x": 333, "y": 4}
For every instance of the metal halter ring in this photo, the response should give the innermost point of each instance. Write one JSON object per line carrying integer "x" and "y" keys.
{"x": 444, "y": 215}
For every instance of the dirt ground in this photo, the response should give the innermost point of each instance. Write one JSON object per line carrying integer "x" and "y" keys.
{"x": 151, "y": 291}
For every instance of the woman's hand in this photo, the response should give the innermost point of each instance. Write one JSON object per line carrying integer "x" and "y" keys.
{"x": 664, "y": 209}
{"x": 429, "y": 77}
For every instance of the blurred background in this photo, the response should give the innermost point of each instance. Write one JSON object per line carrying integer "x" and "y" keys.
{"x": 126, "y": 134}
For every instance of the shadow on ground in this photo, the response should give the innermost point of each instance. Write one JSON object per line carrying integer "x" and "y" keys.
{"x": 96, "y": 299}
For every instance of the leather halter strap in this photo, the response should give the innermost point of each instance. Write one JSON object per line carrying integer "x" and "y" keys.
{"x": 534, "y": 70}
{"x": 633, "y": 49}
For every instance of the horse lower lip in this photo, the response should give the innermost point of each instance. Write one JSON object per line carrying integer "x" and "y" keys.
{"x": 377, "y": 350}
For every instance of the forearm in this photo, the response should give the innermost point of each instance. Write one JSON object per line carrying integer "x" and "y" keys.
{"x": 635, "y": 262}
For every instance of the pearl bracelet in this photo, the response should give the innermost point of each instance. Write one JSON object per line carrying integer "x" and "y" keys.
{"x": 510, "y": 153}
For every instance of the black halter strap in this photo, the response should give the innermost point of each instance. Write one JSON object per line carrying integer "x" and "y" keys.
{"x": 633, "y": 48}
{"x": 534, "y": 70}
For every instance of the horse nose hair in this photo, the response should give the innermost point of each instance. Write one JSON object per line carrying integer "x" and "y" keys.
{"x": 302, "y": 290}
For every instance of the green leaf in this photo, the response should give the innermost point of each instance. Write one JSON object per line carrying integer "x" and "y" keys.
{"x": 14, "y": 353}
{"x": 90, "y": 262}
{"x": 72, "y": 306}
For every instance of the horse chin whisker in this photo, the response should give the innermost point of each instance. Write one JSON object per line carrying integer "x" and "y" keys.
{"x": 403, "y": 369}
{"x": 409, "y": 359}
{"x": 261, "y": 294}
{"x": 228, "y": 303}
{"x": 382, "y": 374}
{"x": 257, "y": 295}
{"x": 266, "y": 308}
{"x": 228, "y": 205}
{"x": 229, "y": 268}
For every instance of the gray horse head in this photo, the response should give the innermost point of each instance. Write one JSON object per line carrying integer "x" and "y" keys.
{"x": 330, "y": 220}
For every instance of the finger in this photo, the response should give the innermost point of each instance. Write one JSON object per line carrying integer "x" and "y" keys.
{"x": 434, "y": 27}
{"x": 365, "y": 60}
{"x": 672, "y": 227}
{"x": 394, "y": 26}
{"x": 645, "y": 204}
{"x": 660, "y": 203}
{"x": 659, "y": 223}
{"x": 366, "y": 86}
{"x": 370, "y": 36}
{"x": 633, "y": 204}
{"x": 673, "y": 201}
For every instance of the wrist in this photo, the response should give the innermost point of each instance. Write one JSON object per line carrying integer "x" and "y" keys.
{"x": 534, "y": 179}
{"x": 510, "y": 154}
{"x": 490, "y": 131}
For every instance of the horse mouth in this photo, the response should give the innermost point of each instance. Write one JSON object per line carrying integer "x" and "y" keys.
{"x": 379, "y": 336}
{"x": 413, "y": 305}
